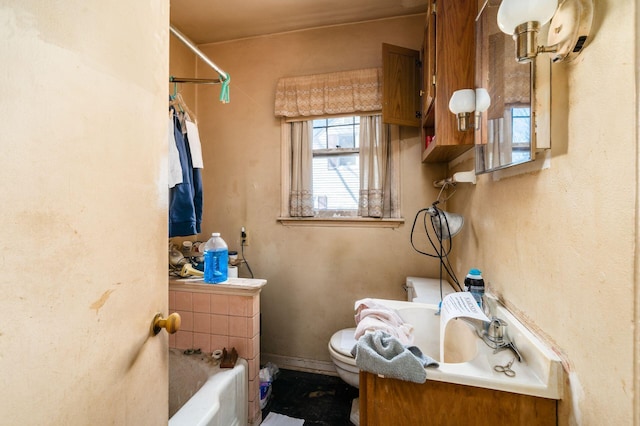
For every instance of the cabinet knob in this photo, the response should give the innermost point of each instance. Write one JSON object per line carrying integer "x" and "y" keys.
{"x": 421, "y": 93}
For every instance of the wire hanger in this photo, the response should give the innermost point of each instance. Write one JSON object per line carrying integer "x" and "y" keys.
{"x": 176, "y": 100}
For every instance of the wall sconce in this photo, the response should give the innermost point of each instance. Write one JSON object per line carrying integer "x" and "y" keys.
{"x": 568, "y": 31}
{"x": 465, "y": 101}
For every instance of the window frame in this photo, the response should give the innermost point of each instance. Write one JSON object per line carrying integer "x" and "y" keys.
{"x": 285, "y": 179}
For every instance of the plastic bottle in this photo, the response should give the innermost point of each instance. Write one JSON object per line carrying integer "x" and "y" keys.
{"x": 474, "y": 283}
{"x": 216, "y": 258}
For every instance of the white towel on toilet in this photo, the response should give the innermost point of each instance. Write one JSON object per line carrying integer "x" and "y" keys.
{"x": 371, "y": 316}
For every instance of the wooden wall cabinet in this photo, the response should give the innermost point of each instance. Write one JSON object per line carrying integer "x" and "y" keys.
{"x": 395, "y": 402}
{"x": 449, "y": 65}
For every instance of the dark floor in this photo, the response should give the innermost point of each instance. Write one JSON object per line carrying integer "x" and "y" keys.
{"x": 318, "y": 399}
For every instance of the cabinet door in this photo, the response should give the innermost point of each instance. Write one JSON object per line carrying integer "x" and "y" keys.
{"x": 401, "y": 86}
{"x": 385, "y": 402}
{"x": 429, "y": 61}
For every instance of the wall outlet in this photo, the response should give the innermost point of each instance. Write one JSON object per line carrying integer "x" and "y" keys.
{"x": 244, "y": 237}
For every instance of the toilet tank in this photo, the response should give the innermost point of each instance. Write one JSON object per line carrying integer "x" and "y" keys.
{"x": 426, "y": 290}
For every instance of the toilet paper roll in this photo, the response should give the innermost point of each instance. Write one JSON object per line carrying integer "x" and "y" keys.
{"x": 232, "y": 272}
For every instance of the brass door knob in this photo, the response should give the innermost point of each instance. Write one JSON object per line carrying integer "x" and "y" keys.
{"x": 171, "y": 323}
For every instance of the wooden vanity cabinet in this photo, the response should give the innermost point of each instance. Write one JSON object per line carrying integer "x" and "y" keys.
{"x": 448, "y": 65}
{"x": 386, "y": 402}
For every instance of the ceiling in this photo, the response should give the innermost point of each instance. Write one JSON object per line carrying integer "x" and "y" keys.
{"x": 209, "y": 21}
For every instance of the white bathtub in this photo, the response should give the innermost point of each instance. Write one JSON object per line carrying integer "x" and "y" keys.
{"x": 201, "y": 394}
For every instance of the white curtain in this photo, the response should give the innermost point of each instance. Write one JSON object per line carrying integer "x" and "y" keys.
{"x": 301, "y": 194}
{"x": 379, "y": 168}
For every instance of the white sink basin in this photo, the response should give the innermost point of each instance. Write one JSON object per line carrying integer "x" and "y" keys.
{"x": 469, "y": 361}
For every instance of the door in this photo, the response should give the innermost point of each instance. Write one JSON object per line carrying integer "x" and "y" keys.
{"x": 401, "y": 86}
{"x": 84, "y": 207}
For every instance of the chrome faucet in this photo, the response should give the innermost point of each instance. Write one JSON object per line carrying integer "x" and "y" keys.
{"x": 495, "y": 338}
{"x": 493, "y": 333}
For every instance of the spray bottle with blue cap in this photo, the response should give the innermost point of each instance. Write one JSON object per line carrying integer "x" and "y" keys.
{"x": 474, "y": 283}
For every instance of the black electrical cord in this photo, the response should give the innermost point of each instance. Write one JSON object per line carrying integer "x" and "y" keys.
{"x": 244, "y": 259}
{"x": 441, "y": 250}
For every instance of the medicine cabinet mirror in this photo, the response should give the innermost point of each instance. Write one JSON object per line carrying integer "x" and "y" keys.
{"x": 506, "y": 135}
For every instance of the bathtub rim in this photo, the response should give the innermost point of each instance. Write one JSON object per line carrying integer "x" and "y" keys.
{"x": 200, "y": 409}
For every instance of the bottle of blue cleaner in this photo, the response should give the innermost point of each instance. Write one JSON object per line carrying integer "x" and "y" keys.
{"x": 216, "y": 258}
{"x": 474, "y": 283}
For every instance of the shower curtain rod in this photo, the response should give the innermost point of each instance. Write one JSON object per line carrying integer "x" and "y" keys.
{"x": 198, "y": 52}
{"x": 194, "y": 80}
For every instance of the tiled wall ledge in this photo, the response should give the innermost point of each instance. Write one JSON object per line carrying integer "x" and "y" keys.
{"x": 216, "y": 316}
{"x": 233, "y": 286}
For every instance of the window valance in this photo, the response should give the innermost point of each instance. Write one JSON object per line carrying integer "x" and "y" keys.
{"x": 333, "y": 93}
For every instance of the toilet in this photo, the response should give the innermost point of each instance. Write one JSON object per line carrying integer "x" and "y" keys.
{"x": 421, "y": 290}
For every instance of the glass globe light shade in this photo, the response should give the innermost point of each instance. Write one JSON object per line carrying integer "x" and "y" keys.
{"x": 462, "y": 101}
{"x": 516, "y": 12}
{"x": 483, "y": 100}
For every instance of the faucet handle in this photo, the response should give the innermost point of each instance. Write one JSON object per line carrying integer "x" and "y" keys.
{"x": 511, "y": 346}
{"x": 496, "y": 330}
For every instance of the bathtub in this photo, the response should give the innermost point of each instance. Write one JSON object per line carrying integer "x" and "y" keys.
{"x": 201, "y": 394}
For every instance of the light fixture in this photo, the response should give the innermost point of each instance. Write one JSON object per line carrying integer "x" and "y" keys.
{"x": 568, "y": 31}
{"x": 465, "y": 101}
{"x": 445, "y": 224}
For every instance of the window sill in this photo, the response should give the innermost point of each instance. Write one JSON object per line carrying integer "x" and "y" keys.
{"x": 356, "y": 222}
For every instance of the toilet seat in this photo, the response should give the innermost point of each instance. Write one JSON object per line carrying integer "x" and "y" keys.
{"x": 343, "y": 341}
{"x": 340, "y": 346}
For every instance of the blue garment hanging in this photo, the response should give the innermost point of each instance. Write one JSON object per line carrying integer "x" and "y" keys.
{"x": 185, "y": 199}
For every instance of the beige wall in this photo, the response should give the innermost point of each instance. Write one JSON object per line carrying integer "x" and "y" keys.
{"x": 84, "y": 212}
{"x": 559, "y": 244}
{"x": 314, "y": 274}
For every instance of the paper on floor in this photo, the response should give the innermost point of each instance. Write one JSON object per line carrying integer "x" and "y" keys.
{"x": 275, "y": 419}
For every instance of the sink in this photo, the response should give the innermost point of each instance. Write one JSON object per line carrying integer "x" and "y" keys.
{"x": 460, "y": 342}
{"x": 467, "y": 360}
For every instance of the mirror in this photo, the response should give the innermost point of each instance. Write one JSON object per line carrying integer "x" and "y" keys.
{"x": 506, "y": 135}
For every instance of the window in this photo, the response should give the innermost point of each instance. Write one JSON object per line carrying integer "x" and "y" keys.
{"x": 521, "y": 124}
{"x": 341, "y": 171}
{"x": 336, "y": 166}
{"x": 521, "y": 129}
{"x": 341, "y": 168}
